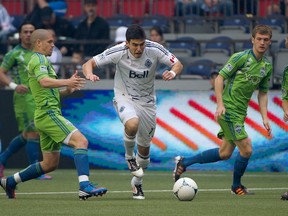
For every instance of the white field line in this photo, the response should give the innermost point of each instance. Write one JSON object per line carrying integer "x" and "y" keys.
{"x": 146, "y": 191}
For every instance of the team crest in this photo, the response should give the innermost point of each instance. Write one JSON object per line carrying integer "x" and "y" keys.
{"x": 121, "y": 109}
{"x": 238, "y": 128}
{"x": 102, "y": 56}
{"x": 148, "y": 63}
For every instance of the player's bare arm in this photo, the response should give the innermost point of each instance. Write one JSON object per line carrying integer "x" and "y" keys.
{"x": 263, "y": 104}
{"x": 175, "y": 70}
{"x": 20, "y": 89}
{"x": 88, "y": 70}
{"x": 73, "y": 82}
{"x": 219, "y": 84}
{"x": 285, "y": 109}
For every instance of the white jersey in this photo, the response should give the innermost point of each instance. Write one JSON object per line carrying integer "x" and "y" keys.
{"x": 135, "y": 77}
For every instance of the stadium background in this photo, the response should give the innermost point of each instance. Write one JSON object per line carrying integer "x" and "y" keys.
{"x": 185, "y": 127}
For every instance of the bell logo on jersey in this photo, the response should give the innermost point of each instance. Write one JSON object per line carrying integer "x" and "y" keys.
{"x": 133, "y": 74}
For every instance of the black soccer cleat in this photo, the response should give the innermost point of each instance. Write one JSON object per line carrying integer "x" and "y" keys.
{"x": 284, "y": 196}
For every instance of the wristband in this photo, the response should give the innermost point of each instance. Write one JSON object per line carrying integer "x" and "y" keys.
{"x": 171, "y": 71}
{"x": 12, "y": 85}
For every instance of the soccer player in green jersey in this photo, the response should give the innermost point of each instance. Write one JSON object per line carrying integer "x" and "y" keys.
{"x": 285, "y": 103}
{"x": 16, "y": 61}
{"x": 244, "y": 72}
{"x": 53, "y": 128}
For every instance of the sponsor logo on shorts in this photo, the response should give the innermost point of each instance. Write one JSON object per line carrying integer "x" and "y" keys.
{"x": 238, "y": 128}
{"x": 121, "y": 109}
{"x": 68, "y": 123}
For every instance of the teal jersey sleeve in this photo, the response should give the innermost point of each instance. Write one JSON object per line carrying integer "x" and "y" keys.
{"x": 244, "y": 74}
{"x": 45, "y": 98}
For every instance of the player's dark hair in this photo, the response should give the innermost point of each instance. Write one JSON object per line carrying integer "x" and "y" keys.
{"x": 263, "y": 30}
{"x": 25, "y": 23}
{"x": 135, "y": 32}
{"x": 158, "y": 30}
{"x": 90, "y": 2}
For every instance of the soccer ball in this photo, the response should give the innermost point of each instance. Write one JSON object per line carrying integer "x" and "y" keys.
{"x": 185, "y": 189}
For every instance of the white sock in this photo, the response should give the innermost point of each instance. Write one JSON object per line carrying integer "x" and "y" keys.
{"x": 129, "y": 143}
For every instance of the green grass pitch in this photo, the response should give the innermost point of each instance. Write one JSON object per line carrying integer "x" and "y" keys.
{"x": 59, "y": 196}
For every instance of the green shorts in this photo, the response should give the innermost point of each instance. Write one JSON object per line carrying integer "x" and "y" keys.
{"x": 53, "y": 129}
{"x": 231, "y": 130}
{"x": 24, "y": 107}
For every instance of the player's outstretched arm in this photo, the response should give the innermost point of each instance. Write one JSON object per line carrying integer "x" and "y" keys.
{"x": 74, "y": 81}
{"x": 87, "y": 69}
{"x": 175, "y": 70}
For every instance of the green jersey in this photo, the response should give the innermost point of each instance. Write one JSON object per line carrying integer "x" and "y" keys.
{"x": 244, "y": 74}
{"x": 285, "y": 84}
{"x": 45, "y": 98}
{"x": 16, "y": 61}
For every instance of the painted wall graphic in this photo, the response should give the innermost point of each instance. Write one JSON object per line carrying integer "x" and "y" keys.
{"x": 185, "y": 126}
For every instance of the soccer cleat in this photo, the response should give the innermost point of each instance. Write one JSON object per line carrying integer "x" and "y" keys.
{"x": 9, "y": 191}
{"x": 134, "y": 168}
{"x": 241, "y": 190}
{"x": 137, "y": 191}
{"x": 90, "y": 190}
{"x": 284, "y": 196}
{"x": 2, "y": 170}
{"x": 44, "y": 177}
{"x": 179, "y": 168}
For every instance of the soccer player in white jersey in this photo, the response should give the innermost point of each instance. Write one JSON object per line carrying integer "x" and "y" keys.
{"x": 136, "y": 60}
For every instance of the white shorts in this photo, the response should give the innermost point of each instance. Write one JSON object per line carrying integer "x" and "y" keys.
{"x": 127, "y": 109}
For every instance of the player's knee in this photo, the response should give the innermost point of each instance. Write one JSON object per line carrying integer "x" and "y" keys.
{"x": 143, "y": 161}
{"x": 131, "y": 126}
{"x": 224, "y": 155}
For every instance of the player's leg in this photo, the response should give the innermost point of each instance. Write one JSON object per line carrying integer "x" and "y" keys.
{"x": 208, "y": 156}
{"x": 240, "y": 165}
{"x": 80, "y": 144}
{"x": 50, "y": 162}
{"x": 130, "y": 120}
{"x": 17, "y": 143}
{"x": 33, "y": 150}
{"x": 146, "y": 130}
